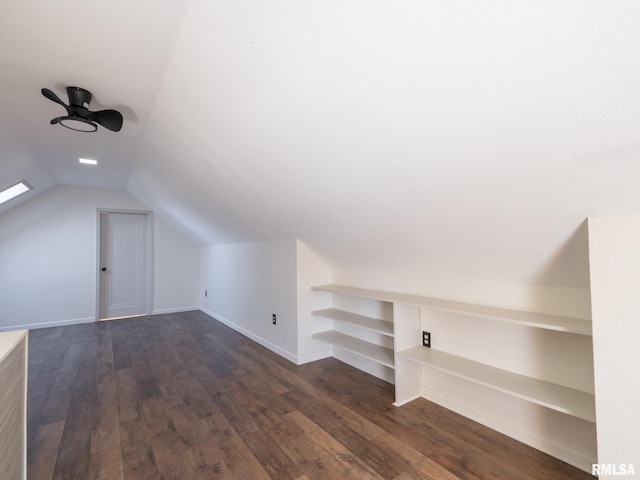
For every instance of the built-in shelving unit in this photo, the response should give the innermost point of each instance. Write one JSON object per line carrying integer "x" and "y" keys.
{"x": 374, "y": 351}
{"x": 415, "y": 367}
{"x": 557, "y": 397}
{"x": 531, "y": 319}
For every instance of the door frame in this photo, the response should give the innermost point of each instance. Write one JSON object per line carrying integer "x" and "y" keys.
{"x": 149, "y": 272}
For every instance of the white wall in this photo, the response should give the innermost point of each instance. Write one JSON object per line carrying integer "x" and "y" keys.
{"x": 246, "y": 284}
{"x": 614, "y": 246}
{"x": 311, "y": 270}
{"x": 48, "y": 251}
{"x": 176, "y": 269}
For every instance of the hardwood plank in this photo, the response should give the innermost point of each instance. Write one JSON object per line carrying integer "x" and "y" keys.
{"x": 138, "y": 460}
{"x": 279, "y": 377}
{"x": 451, "y": 452}
{"x": 237, "y": 456}
{"x": 318, "y": 463}
{"x": 127, "y": 395}
{"x": 47, "y": 351}
{"x": 146, "y": 381}
{"x": 121, "y": 357}
{"x": 184, "y": 391}
{"x": 75, "y": 446}
{"x": 207, "y": 462}
{"x": 60, "y": 394}
{"x": 257, "y": 368}
{"x": 169, "y": 452}
{"x": 186, "y": 424}
{"x": 105, "y": 432}
{"x": 42, "y": 461}
{"x": 378, "y": 459}
{"x": 36, "y": 402}
{"x": 251, "y": 388}
{"x": 346, "y": 462}
{"x": 409, "y": 476}
{"x": 106, "y": 464}
{"x": 270, "y": 455}
{"x": 420, "y": 466}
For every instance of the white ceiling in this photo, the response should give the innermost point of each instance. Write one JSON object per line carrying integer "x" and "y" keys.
{"x": 456, "y": 139}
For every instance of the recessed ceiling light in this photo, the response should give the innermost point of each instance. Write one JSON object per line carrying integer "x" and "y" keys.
{"x": 13, "y": 191}
{"x": 88, "y": 161}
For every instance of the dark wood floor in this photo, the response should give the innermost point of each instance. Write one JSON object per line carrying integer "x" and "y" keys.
{"x": 184, "y": 397}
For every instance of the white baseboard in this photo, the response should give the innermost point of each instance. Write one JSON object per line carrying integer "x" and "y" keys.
{"x": 77, "y": 321}
{"x": 162, "y": 311}
{"x": 572, "y": 457}
{"x": 59, "y": 323}
{"x": 312, "y": 357}
{"x": 265, "y": 343}
{"x": 410, "y": 399}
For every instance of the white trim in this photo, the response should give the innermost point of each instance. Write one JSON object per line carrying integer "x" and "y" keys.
{"x": 77, "y": 321}
{"x": 162, "y": 311}
{"x": 407, "y": 400}
{"x": 312, "y": 357}
{"x": 58, "y": 323}
{"x": 265, "y": 343}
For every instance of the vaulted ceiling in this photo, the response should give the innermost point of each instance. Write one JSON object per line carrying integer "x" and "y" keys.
{"x": 459, "y": 139}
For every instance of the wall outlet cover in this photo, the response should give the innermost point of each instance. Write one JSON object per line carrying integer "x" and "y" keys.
{"x": 426, "y": 339}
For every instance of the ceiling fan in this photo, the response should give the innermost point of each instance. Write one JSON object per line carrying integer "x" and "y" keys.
{"x": 79, "y": 117}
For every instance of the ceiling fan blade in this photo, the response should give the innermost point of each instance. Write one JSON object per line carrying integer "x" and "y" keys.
{"x": 52, "y": 96}
{"x": 110, "y": 119}
{"x": 55, "y": 120}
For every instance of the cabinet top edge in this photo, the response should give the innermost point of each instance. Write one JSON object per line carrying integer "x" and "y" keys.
{"x": 8, "y": 340}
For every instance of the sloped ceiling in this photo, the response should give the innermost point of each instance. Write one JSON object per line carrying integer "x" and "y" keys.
{"x": 456, "y": 139}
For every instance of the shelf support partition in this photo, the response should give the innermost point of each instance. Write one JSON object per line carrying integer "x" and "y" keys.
{"x": 406, "y": 319}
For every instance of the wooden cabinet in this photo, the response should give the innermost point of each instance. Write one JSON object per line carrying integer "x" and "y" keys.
{"x": 13, "y": 404}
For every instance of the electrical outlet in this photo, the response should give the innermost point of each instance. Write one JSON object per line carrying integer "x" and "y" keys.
{"x": 273, "y": 318}
{"x": 426, "y": 339}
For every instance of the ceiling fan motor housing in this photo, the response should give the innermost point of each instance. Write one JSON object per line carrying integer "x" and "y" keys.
{"x": 78, "y": 97}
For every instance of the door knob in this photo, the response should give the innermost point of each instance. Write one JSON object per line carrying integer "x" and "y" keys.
{"x": 104, "y": 269}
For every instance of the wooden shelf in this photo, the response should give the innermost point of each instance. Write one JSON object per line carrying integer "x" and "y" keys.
{"x": 562, "y": 399}
{"x": 374, "y": 324}
{"x": 377, "y": 353}
{"x": 531, "y": 319}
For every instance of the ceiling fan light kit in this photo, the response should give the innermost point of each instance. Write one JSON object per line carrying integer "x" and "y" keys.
{"x": 76, "y": 123}
{"x": 79, "y": 117}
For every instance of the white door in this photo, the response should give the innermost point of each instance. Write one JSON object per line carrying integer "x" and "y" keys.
{"x": 124, "y": 265}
